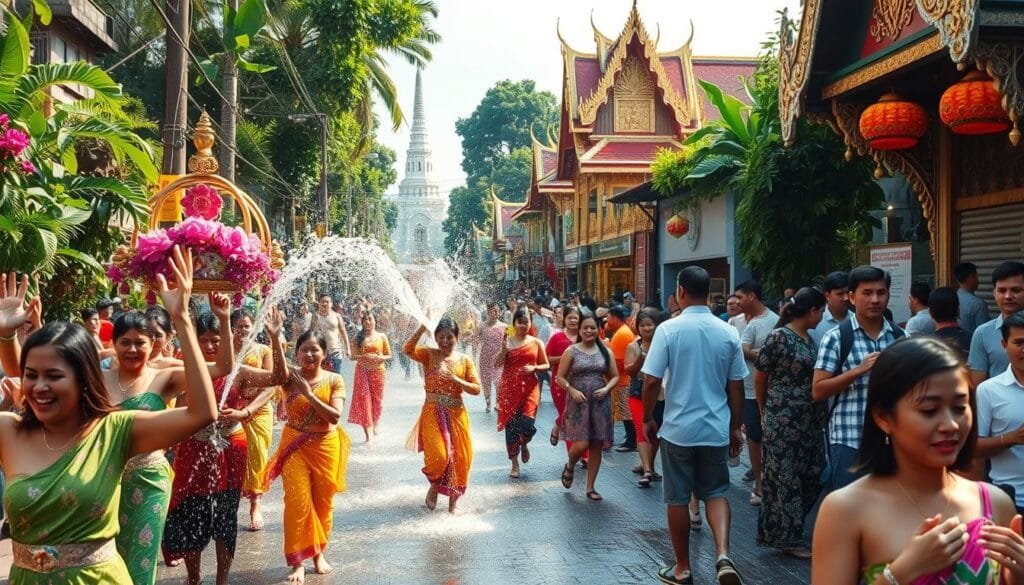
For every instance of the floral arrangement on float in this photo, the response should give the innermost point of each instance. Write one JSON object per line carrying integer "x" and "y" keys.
{"x": 229, "y": 259}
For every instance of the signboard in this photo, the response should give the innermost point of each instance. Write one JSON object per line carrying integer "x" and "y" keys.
{"x": 610, "y": 248}
{"x": 896, "y": 260}
{"x": 574, "y": 256}
{"x": 170, "y": 210}
{"x": 640, "y": 279}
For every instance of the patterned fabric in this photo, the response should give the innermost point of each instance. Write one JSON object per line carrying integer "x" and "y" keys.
{"x": 491, "y": 337}
{"x": 145, "y": 495}
{"x": 590, "y": 420}
{"x": 443, "y": 435}
{"x": 557, "y": 345}
{"x": 973, "y": 568}
{"x": 312, "y": 465}
{"x": 847, "y": 422}
{"x": 518, "y": 397}
{"x": 367, "y": 396}
{"x": 793, "y": 447}
{"x": 73, "y": 500}
{"x": 259, "y": 429}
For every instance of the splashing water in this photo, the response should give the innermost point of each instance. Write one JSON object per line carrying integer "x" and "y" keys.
{"x": 424, "y": 293}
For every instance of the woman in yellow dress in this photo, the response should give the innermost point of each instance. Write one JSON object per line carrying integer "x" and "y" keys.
{"x": 311, "y": 458}
{"x": 259, "y": 427}
{"x": 443, "y": 427}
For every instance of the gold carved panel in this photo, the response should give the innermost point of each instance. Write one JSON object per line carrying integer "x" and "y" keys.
{"x": 634, "y": 98}
{"x": 889, "y": 18}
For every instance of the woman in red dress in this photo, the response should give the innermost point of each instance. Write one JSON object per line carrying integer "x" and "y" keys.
{"x": 521, "y": 356}
{"x": 557, "y": 345}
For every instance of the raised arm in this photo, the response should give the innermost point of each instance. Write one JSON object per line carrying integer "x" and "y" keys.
{"x": 220, "y": 304}
{"x": 13, "y": 315}
{"x": 159, "y": 430}
{"x": 409, "y": 347}
{"x": 278, "y": 373}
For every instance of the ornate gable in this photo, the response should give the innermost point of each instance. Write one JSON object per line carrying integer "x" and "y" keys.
{"x": 634, "y": 98}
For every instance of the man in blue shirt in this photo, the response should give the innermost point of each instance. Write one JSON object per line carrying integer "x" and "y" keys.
{"x": 703, "y": 360}
{"x": 973, "y": 311}
{"x": 988, "y": 358}
{"x": 837, "y": 293}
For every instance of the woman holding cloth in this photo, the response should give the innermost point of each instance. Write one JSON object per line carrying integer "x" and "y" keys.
{"x": 371, "y": 352}
{"x": 521, "y": 357}
{"x": 311, "y": 458}
{"x": 443, "y": 427}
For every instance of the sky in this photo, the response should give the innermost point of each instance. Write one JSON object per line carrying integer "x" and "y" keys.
{"x": 486, "y": 41}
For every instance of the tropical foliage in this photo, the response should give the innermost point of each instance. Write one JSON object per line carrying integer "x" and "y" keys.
{"x": 791, "y": 202}
{"x": 83, "y": 176}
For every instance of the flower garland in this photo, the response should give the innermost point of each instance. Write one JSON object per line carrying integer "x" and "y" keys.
{"x": 219, "y": 252}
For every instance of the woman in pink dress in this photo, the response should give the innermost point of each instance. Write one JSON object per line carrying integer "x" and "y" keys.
{"x": 491, "y": 336}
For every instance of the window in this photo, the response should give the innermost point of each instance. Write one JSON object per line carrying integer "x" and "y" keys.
{"x": 592, "y": 201}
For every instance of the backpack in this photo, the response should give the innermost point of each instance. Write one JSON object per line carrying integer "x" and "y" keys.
{"x": 845, "y": 346}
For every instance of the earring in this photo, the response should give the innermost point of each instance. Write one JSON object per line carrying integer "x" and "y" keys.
{"x": 887, "y": 439}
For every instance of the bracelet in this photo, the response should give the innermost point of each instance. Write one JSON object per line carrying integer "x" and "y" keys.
{"x": 9, "y": 338}
{"x": 887, "y": 573}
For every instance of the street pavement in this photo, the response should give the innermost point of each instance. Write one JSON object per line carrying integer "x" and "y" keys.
{"x": 526, "y": 531}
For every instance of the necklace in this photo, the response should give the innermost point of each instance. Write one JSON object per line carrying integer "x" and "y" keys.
{"x": 945, "y": 512}
{"x": 117, "y": 378}
{"x": 63, "y": 447}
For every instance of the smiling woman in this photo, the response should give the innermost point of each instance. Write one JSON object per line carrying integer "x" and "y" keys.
{"x": 66, "y": 452}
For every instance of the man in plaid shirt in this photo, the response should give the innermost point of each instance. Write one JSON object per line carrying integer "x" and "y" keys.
{"x": 846, "y": 386}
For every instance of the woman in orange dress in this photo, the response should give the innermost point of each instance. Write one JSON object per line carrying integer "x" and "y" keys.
{"x": 371, "y": 352}
{"x": 521, "y": 356}
{"x": 443, "y": 427}
{"x": 311, "y": 458}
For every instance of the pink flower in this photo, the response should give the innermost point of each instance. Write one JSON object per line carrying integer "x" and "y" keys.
{"x": 202, "y": 201}
{"x": 5, "y": 120}
{"x": 27, "y": 167}
{"x": 153, "y": 246}
{"x": 196, "y": 232}
{"x": 13, "y": 142}
{"x": 114, "y": 273}
{"x": 232, "y": 243}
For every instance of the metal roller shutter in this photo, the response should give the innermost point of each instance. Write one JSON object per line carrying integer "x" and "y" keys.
{"x": 988, "y": 237}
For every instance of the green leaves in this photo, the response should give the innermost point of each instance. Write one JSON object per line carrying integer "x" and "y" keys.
{"x": 16, "y": 50}
{"x": 240, "y": 28}
{"x": 730, "y": 109}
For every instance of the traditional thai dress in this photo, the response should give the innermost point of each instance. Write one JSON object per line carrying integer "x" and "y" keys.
{"x": 443, "y": 428}
{"x": 312, "y": 467}
{"x": 491, "y": 338}
{"x": 64, "y": 518}
{"x": 145, "y": 494}
{"x": 518, "y": 397}
{"x": 259, "y": 429}
{"x": 556, "y": 346}
{"x": 209, "y": 468}
{"x": 368, "y": 387}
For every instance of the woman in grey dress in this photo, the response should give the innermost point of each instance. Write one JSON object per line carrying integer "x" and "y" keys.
{"x": 588, "y": 373}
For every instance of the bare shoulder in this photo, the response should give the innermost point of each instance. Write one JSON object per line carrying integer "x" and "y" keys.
{"x": 1003, "y": 509}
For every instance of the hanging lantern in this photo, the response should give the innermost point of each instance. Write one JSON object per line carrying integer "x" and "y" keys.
{"x": 973, "y": 106}
{"x": 678, "y": 226}
{"x": 893, "y": 123}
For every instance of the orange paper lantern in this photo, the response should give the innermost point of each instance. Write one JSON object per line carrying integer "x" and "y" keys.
{"x": 678, "y": 226}
{"x": 973, "y": 106}
{"x": 893, "y": 123}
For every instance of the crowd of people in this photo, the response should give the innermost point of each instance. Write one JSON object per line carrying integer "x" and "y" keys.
{"x": 896, "y": 450}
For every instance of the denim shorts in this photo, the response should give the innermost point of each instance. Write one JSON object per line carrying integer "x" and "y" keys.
{"x": 752, "y": 420}
{"x": 703, "y": 471}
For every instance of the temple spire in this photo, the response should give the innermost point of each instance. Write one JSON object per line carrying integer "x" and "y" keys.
{"x": 419, "y": 110}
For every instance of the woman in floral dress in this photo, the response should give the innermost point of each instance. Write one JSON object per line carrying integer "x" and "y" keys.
{"x": 794, "y": 447}
{"x": 491, "y": 337}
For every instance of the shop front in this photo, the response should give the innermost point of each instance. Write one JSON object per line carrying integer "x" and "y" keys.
{"x": 609, "y": 269}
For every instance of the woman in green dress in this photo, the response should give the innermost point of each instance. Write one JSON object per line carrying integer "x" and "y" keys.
{"x": 65, "y": 455}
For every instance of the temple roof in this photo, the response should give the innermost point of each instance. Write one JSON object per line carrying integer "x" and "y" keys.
{"x": 501, "y": 219}
{"x": 626, "y": 153}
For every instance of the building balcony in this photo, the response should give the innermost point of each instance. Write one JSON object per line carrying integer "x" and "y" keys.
{"x": 79, "y": 21}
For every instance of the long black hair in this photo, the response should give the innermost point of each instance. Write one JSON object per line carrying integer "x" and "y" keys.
{"x": 902, "y": 367}
{"x": 600, "y": 346}
{"x": 800, "y": 304}
{"x": 75, "y": 346}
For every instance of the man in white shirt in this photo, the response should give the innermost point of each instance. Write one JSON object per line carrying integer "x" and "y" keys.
{"x": 837, "y": 293}
{"x": 921, "y": 323}
{"x": 1001, "y": 414}
{"x": 973, "y": 311}
{"x": 701, "y": 426}
{"x": 760, "y": 321}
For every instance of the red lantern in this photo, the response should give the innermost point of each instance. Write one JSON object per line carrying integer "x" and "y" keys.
{"x": 973, "y": 106}
{"x": 678, "y": 226}
{"x": 893, "y": 123}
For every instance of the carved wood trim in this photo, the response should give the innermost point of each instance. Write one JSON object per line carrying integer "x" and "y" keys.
{"x": 795, "y": 56}
{"x": 1004, "y": 61}
{"x": 954, "y": 19}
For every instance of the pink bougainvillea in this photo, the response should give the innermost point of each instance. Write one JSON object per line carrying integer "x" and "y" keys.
{"x": 13, "y": 142}
{"x": 202, "y": 201}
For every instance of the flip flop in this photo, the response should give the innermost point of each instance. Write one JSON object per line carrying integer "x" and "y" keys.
{"x": 567, "y": 476}
{"x": 645, "y": 481}
{"x": 594, "y": 496}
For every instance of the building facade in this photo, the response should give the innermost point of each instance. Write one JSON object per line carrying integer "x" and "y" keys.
{"x": 422, "y": 208}
{"x": 969, "y": 187}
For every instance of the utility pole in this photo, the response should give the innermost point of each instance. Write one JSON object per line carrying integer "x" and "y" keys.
{"x": 229, "y": 113}
{"x": 176, "y": 99}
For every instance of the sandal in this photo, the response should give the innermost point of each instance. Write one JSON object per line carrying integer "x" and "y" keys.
{"x": 594, "y": 496}
{"x": 655, "y": 476}
{"x": 639, "y": 469}
{"x": 645, "y": 481}
{"x": 554, "y": 437}
{"x": 695, "y": 519}
{"x": 567, "y": 476}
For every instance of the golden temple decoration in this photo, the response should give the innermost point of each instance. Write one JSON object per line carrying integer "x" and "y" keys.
{"x": 889, "y": 18}
{"x": 902, "y": 58}
{"x": 203, "y": 161}
{"x": 634, "y": 98}
{"x": 680, "y": 105}
{"x": 845, "y": 118}
{"x": 795, "y": 55}
{"x": 954, "y": 19}
{"x": 1004, "y": 61}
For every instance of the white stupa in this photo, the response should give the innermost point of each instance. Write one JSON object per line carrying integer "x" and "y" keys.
{"x": 422, "y": 207}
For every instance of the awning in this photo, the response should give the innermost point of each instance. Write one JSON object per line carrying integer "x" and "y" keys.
{"x": 642, "y": 193}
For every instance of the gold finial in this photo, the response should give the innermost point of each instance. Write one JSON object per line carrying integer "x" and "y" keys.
{"x": 276, "y": 256}
{"x": 203, "y": 162}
